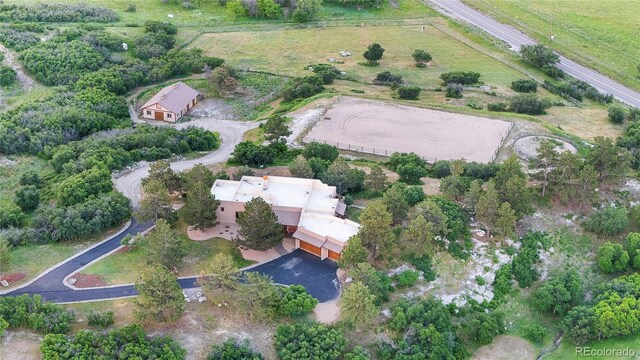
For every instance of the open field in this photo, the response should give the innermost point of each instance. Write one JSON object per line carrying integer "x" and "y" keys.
{"x": 435, "y": 135}
{"x": 601, "y": 35}
{"x": 506, "y": 347}
{"x": 290, "y": 51}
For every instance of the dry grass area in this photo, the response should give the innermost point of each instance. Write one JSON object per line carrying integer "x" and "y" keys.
{"x": 586, "y": 123}
{"x": 505, "y": 347}
{"x": 202, "y": 325}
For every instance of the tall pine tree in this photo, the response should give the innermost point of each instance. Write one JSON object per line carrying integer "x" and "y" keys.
{"x": 259, "y": 227}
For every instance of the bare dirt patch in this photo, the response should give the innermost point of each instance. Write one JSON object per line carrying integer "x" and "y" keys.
{"x": 383, "y": 128}
{"x": 20, "y": 345}
{"x": 505, "y": 347}
{"x": 327, "y": 312}
{"x": 13, "y": 277}
{"x": 87, "y": 281}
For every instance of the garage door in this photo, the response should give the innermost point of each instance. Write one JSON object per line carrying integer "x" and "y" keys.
{"x": 334, "y": 255}
{"x": 159, "y": 115}
{"x": 310, "y": 248}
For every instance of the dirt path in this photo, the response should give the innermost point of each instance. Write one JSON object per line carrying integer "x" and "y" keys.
{"x": 25, "y": 81}
{"x": 230, "y": 132}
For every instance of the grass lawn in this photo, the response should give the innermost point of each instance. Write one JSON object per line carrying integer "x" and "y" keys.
{"x": 11, "y": 168}
{"x": 126, "y": 267}
{"x": 567, "y": 350}
{"x": 601, "y": 35}
{"x": 31, "y": 260}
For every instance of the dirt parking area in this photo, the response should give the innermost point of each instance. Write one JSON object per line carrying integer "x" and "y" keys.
{"x": 384, "y": 128}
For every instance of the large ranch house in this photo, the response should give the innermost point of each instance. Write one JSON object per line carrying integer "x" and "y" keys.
{"x": 308, "y": 209}
{"x": 171, "y": 103}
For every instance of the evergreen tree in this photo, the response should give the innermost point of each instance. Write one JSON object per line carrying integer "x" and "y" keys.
{"x": 610, "y": 161}
{"x": 373, "y": 54}
{"x": 376, "y": 180}
{"x": 343, "y": 177}
{"x": 506, "y": 222}
{"x": 430, "y": 210}
{"x": 200, "y": 207}
{"x": 417, "y": 239}
{"x": 545, "y": 161}
{"x": 473, "y": 194}
{"x": 221, "y": 277}
{"x": 156, "y": 203}
{"x": 396, "y": 203}
{"x": 352, "y": 253}
{"x": 161, "y": 170}
{"x": 163, "y": 246}
{"x": 518, "y": 196}
{"x": 159, "y": 296}
{"x": 198, "y": 174}
{"x": 357, "y": 305}
{"x": 300, "y": 168}
{"x": 259, "y": 227}
{"x": 487, "y": 209}
{"x": 375, "y": 231}
{"x": 275, "y": 128}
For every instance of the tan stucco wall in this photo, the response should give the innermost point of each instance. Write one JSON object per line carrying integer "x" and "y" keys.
{"x": 229, "y": 214}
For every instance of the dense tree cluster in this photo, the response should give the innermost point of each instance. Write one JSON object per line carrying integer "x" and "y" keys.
{"x": 124, "y": 343}
{"x": 305, "y": 87}
{"x": 34, "y": 313}
{"x": 575, "y": 90}
{"x": 57, "y": 13}
{"x": 410, "y": 167}
{"x": 528, "y": 104}
{"x": 613, "y": 312}
{"x": 524, "y": 86}
{"x": 426, "y": 332}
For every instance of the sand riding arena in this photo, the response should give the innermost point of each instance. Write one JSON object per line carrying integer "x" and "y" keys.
{"x": 382, "y": 128}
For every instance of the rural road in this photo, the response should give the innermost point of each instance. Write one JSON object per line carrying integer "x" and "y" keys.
{"x": 130, "y": 184}
{"x": 516, "y": 39}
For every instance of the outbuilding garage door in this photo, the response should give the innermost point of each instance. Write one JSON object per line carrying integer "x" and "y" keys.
{"x": 310, "y": 248}
{"x": 334, "y": 255}
{"x": 159, "y": 115}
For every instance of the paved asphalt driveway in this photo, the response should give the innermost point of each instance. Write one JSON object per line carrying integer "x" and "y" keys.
{"x": 296, "y": 268}
{"x": 516, "y": 39}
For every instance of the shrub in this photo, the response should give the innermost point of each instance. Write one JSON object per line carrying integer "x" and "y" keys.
{"x": 454, "y": 90}
{"x": 96, "y": 318}
{"x": 326, "y": 71}
{"x": 27, "y": 198}
{"x": 498, "y": 107}
{"x": 373, "y": 54}
{"x": 539, "y": 55}
{"x": 535, "y": 332}
{"x": 295, "y": 301}
{"x": 388, "y": 78}
{"x": 33, "y": 313}
{"x": 616, "y": 113}
{"x": 460, "y": 77}
{"x": 131, "y": 8}
{"x": 320, "y": 151}
{"x": 232, "y": 350}
{"x": 612, "y": 258}
{"x": 409, "y": 92}
{"x": 421, "y": 58}
{"x": 524, "y": 86}
{"x": 7, "y": 75}
{"x": 268, "y": 9}
{"x": 528, "y": 104}
{"x": 57, "y": 13}
{"x": 308, "y": 341}
{"x": 407, "y": 278}
{"x": 608, "y": 221}
{"x": 154, "y": 26}
{"x": 304, "y": 88}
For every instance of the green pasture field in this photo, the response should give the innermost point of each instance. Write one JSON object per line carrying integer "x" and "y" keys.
{"x": 599, "y": 34}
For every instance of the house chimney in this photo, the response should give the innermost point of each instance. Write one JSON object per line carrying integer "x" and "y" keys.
{"x": 265, "y": 182}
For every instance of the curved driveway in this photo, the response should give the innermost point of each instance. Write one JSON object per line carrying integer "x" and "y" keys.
{"x": 231, "y": 133}
{"x": 318, "y": 277}
{"x": 516, "y": 39}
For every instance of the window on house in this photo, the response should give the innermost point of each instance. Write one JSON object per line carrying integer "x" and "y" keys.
{"x": 169, "y": 116}
{"x": 148, "y": 112}
{"x": 222, "y": 209}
